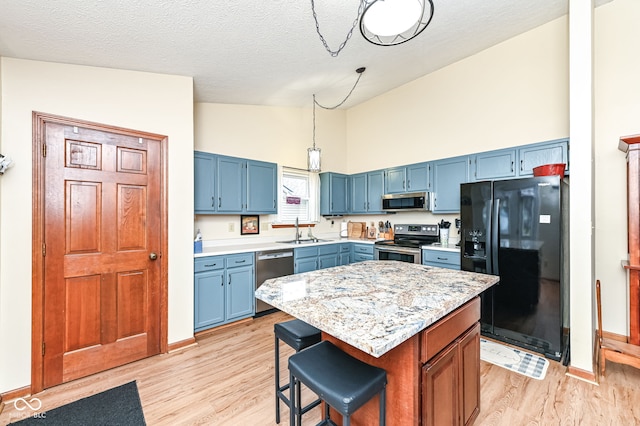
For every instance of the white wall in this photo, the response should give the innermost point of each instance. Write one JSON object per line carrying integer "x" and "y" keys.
{"x": 149, "y": 102}
{"x": 512, "y": 94}
{"x": 617, "y": 113}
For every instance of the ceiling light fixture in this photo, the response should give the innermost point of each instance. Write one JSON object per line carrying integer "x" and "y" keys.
{"x": 313, "y": 153}
{"x": 385, "y": 22}
{"x": 392, "y": 22}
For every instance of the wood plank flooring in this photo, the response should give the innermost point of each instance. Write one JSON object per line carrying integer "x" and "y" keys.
{"x": 227, "y": 379}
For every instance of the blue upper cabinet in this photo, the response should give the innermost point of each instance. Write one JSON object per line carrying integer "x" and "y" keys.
{"x": 551, "y": 152}
{"x": 396, "y": 180}
{"x": 204, "y": 167}
{"x": 227, "y": 185}
{"x": 412, "y": 178}
{"x": 230, "y": 184}
{"x": 366, "y": 192}
{"x": 375, "y": 191}
{"x": 419, "y": 177}
{"x": 358, "y": 193}
{"x": 448, "y": 174}
{"x": 262, "y": 188}
{"x": 493, "y": 165}
{"x": 333, "y": 194}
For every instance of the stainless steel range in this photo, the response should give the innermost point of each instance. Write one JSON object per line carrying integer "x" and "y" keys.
{"x": 406, "y": 244}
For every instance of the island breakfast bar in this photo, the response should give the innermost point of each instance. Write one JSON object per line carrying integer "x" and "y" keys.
{"x": 419, "y": 323}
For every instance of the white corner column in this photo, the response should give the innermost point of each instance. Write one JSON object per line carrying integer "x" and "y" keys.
{"x": 581, "y": 214}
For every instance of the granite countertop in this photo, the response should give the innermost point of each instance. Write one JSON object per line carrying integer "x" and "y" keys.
{"x": 374, "y": 305}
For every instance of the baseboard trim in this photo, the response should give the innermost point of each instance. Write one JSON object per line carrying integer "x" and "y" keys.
{"x": 182, "y": 344}
{"x": 16, "y": 393}
{"x": 586, "y": 376}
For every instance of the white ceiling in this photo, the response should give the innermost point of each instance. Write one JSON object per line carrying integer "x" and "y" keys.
{"x": 258, "y": 52}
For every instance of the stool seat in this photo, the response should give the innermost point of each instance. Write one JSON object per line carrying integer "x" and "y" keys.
{"x": 342, "y": 381}
{"x": 297, "y": 334}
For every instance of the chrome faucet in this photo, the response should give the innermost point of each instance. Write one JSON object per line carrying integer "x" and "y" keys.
{"x": 297, "y": 231}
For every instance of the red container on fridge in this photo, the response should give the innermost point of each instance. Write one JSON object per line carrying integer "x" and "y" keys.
{"x": 549, "y": 170}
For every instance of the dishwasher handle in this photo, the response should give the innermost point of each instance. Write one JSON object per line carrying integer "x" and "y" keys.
{"x": 277, "y": 255}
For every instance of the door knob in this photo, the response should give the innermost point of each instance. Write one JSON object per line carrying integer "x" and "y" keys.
{"x": 153, "y": 256}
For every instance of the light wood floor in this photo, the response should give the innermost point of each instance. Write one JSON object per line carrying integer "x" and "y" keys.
{"x": 227, "y": 379}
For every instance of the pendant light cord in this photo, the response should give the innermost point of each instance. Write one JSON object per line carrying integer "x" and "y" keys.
{"x": 335, "y": 53}
{"x": 359, "y": 71}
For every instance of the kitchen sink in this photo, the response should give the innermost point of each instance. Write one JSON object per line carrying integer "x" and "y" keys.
{"x": 304, "y": 241}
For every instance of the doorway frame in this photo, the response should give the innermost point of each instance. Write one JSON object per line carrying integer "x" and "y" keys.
{"x": 39, "y": 121}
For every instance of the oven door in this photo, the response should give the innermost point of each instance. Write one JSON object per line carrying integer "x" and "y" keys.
{"x": 403, "y": 254}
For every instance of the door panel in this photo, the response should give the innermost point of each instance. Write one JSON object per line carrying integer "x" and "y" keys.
{"x": 102, "y": 215}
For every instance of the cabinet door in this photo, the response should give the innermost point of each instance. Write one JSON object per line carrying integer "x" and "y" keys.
{"x": 494, "y": 165}
{"x": 538, "y": 155}
{"x": 208, "y": 299}
{"x": 359, "y": 193}
{"x": 448, "y": 174}
{"x": 469, "y": 350}
{"x": 230, "y": 175}
{"x": 440, "y": 398}
{"x": 204, "y": 167}
{"x": 306, "y": 265}
{"x": 375, "y": 190}
{"x": 333, "y": 193}
{"x": 327, "y": 261}
{"x": 262, "y": 182}
{"x": 418, "y": 177}
{"x": 396, "y": 180}
{"x": 240, "y": 288}
{"x": 344, "y": 258}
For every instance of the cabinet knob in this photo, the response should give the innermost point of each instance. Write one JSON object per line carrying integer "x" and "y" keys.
{"x": 153, "y": 256}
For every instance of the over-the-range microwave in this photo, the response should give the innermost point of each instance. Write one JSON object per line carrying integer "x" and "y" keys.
{"x": 407, "y": 201}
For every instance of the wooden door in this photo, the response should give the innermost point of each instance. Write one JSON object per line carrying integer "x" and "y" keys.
{"x": 103, "y": 283}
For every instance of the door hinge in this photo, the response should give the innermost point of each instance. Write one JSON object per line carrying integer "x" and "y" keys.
{"x": 44, "y": 249}
{"x": 44, "y": 149}
{"x": 42, "y": 348}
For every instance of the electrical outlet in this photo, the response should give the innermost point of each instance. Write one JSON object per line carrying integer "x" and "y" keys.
{"x": 232, "y": 227}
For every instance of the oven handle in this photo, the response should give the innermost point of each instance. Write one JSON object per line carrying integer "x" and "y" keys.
{"x": 397, "y": 249}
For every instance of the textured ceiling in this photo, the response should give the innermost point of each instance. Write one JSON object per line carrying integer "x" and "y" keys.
{"x": 258, "y": 52}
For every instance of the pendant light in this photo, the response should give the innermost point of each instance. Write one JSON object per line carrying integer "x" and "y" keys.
{"x": 385, "y": 22}
{"x": 392, "y": 22}
{"x": 313, "y": 153}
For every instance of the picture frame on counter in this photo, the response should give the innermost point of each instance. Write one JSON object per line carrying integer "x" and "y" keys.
{"x": 249, "y": 224}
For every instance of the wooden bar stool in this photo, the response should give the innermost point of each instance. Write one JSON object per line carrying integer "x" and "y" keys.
{"x": 299, "y": 335}
{"x": 340, "y": 380}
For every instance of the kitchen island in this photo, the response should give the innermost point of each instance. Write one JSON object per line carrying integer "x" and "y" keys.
{"x": 419, "y": 323}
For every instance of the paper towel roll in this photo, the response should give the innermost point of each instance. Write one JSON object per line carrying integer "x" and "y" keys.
{"x": 343, "y": 230}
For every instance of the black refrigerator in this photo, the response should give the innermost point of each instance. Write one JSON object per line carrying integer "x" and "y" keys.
{"x": 514, "y": 229}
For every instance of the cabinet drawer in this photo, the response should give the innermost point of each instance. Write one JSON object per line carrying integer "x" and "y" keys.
{"x": 360, "y": 257}
{"x": 328, "y": 249}
{"x": 441, "y": 256}
{"x": 363, "y": 248}
{"x": 345, "y": 248}
{"x": 208, "y": 263}
{"x": 439, "y": 335}
{"x": 244, "y": 259}
{"x": 300, "y": 253}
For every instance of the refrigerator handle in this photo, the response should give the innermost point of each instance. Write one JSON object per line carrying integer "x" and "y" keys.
{"x": 495, "y": 234}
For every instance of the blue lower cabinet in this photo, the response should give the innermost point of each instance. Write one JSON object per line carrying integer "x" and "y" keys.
{"x": 441, "y": 258}
{"x": 344, "y": 254}
{"x": 305, "y": 259}
{"x": 362, "y": 252}
{"x": 223, "y": 289}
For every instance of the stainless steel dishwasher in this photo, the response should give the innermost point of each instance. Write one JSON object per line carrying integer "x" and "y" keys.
{"x": 271, "y": 264}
